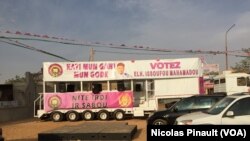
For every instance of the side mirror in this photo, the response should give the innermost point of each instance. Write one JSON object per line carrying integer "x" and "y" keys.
{"x": 230, "y": 114}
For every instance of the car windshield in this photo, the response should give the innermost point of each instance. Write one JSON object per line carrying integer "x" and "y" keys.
{"x": 184, "y": 104}
{"x": 220, "y": 106}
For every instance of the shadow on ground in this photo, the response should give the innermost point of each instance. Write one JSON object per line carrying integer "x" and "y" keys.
{"x": 137, "y": 134}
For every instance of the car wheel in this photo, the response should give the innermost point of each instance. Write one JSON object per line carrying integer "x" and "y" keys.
{"x": 160, "y": 122}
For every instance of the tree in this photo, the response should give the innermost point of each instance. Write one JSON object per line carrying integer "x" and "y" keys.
{"x": 16, "y": 79}
{"x": 243, "y": 65}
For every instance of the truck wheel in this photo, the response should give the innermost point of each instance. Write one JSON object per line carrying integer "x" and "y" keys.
{"x": 56, "y": 116}
{"x": 119, "y": 115}
{"x": 160, "y": 122}
{"x": 72, "y": 116}
{"x": 88, "y": 115}
{"x": 103, "y": 115}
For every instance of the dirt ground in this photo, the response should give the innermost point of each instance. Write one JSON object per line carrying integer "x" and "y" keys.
{"x": 27, "y": 130}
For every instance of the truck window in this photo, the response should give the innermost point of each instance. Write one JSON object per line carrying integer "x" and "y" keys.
{"x": 241, "y": 81}
{"x": 223, "y": 80}
{"x": 99, "y": 86}
{"x": 61, "y": 87}
{"x": 151, "y": 88}
{"x": 49, "y": 87}
{"x": 138, "y": 87}
{"x": 216, "y": 81}
{"x": 86, "y": 86}
{"x": 96, "y": 88}
{"x": 68, "y": 87}
{"x": 104, "y": 85}
{"x": 73, "y": 86}
{"x": 248, "y": 81}
{"x": 120, "y": 85}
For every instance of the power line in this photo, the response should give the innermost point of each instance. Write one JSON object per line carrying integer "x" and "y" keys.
{"x": 136, "y": 53}
{"x": 27, "y": 36}
{"x": 19, "y": 44}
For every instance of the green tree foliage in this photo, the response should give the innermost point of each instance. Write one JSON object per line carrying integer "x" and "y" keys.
{"x": 243, "y": 65}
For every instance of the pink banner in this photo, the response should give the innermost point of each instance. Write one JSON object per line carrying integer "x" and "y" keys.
{"x": 87, "y": 100}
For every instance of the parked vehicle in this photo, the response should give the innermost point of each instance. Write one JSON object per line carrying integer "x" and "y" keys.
{"x": 184, "y": 106}
{"x": 114, "y": 89}
{"x": 231, "y": 83}
{"x": 233, "y": 109}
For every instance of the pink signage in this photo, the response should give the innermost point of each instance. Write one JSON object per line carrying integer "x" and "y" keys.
{"x": 87, "y": 100}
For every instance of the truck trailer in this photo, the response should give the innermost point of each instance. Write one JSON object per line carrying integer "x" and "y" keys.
{"x": 114, "y": 89}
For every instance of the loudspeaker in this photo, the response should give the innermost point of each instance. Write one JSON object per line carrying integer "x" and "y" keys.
{"x": 120, "y": 86}
{"x": 96, "y": 88}
{"x": 70, "y": 88}
{"x": 137, "y": 87}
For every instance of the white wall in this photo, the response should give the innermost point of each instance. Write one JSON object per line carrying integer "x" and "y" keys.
{"x": 178, "y": 86}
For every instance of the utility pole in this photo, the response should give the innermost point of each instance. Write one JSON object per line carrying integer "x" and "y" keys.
{"x": 91, "y": 55}
{"x": 226, "y": 52}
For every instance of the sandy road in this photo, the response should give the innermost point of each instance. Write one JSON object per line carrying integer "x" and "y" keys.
{"x": 27, "y": 130}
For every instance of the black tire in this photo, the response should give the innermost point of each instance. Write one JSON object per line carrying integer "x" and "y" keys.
{"x": 56, "y": 116}
{"x": 88, "y": 115}
{"x": 160, "y": 122}
{"x": 103, "y": 115}
{"x": 119, "y": 115}
{"x": 72, "y": 116}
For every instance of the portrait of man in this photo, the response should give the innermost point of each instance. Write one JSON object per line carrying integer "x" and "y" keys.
{"x": 120, "y": 71}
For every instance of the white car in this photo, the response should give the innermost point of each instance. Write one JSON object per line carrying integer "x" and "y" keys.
{"x": 233, "y": 109}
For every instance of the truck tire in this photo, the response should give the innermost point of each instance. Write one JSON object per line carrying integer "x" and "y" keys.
{"x": 119, "y": 115}
{"x": 72, "y": 116}
{"x": 56, "y": 116}
{"x": 160, "y": 122}
{"x": 88, "y": 115}
{"x": 103, "y": 115}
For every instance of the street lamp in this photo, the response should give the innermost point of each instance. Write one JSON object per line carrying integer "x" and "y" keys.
{"x": 226, "y": 53}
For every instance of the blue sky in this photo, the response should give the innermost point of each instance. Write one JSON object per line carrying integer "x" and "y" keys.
{"x": 168, "y": 24}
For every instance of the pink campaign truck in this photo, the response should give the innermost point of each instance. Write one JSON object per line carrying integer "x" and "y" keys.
{"x": 114, "y": 89}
